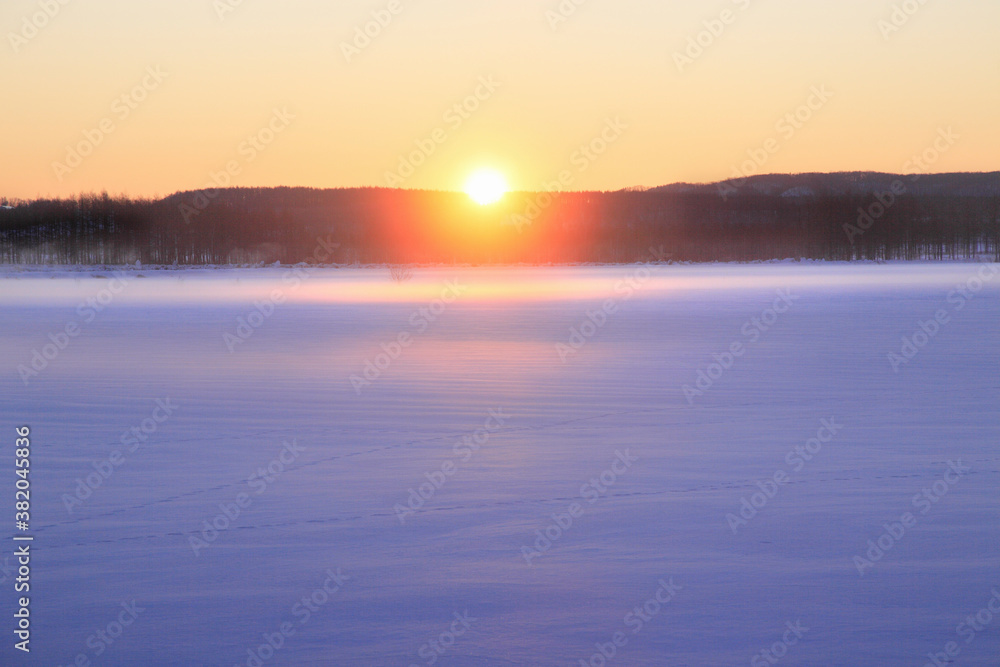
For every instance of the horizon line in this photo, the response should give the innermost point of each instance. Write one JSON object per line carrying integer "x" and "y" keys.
{"x": 633, "y": 188}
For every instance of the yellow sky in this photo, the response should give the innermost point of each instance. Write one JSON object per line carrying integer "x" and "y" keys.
{"x": 266, "y": 91}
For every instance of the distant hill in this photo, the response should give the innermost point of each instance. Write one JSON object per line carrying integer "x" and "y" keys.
{"x": 844, "y": 216}
{"x": 851, "y": 183}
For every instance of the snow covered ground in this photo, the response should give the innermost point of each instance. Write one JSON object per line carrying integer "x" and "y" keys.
{"x": 669, "y": 465}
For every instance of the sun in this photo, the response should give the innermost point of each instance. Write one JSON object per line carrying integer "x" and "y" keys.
{"x": 486, "y": 186}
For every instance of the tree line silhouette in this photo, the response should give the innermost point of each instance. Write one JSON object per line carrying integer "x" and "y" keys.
{"x": 830, "y": 217}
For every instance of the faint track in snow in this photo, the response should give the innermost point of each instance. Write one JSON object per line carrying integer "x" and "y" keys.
{"x": 227, "y": 485}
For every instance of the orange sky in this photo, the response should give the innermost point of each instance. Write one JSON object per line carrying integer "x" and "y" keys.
{"x": 156, "y": 97}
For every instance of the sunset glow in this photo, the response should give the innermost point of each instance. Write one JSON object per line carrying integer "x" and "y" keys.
{"x": 473, "y": 333}
{"x": 533, "y": 108}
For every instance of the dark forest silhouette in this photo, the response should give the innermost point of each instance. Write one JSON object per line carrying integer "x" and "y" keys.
{"x": 810, "y": 216}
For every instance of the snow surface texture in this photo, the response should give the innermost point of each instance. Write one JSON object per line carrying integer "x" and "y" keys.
{"x": 737, "y": 575}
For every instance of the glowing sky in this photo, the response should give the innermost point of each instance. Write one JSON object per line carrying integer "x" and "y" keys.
{"x": 278, "y": 71}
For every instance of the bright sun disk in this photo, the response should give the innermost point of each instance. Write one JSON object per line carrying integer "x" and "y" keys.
{"x": 486, "y": 186}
